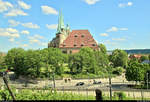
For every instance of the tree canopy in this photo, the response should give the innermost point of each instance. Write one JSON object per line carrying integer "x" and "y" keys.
{"x": 119, "y": 58}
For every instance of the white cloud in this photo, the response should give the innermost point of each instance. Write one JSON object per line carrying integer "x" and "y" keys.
{"x": 123, "y": 29}
{"x": 48, "y": 10}
{"x": 118, "y": 39}
{"x": 9, "y": 32}
{"x": 104, "y": 34}
{"x": 4, "y": 6}
{"x": 52, "y": 26}
{"x": 91, "y": 2}
{"x": 115, "y": 29}
{"x": 38, "y": 36}
{"x": 43, "y": 44}
{"x": 122, "y": 5}
{"x": 16, "y": 12}
{"x": 108, "y": 42}
{"x": 30, "y": 25}
{"x": 24, "y": 5}
{"x": 130, "y": 3}
{"x": 112, "y": 29}
{"x": 11, "y": 39}
{"x": 25, "y": 32}
{"x": 36, "y": 40}
{"x": 13, "y": 23}
{"x": 25, "y": 45}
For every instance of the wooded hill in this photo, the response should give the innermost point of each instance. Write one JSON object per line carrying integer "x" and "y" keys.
{"x": 135, "y": 51}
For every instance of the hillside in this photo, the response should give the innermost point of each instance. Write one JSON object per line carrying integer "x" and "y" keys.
{"x": 135, "y": 51}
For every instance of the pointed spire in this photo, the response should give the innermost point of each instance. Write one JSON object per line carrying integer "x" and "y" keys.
{"x": 60, "y": 22}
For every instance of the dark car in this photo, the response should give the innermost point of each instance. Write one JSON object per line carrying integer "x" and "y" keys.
{"x": 80, "y": 84}
{"x": 96, "y": 82}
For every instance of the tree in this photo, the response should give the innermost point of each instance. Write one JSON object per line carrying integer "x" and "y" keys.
{"x": 102, "y": 48}
{"x": 102, "y": 60}
{"x": 15, "y": 60}
{"x": 88, "y": 60}
{"x": 143, "y": 58}
{"x": 2, "y": 62}
{"x": 119, "y": 58}
{"x": 32, "y": 63}
{"x": 149, "y": 57}
{"x": 55, "y": 58}
{"x": 75, "y": 63}
{"x": 136, "y": 71}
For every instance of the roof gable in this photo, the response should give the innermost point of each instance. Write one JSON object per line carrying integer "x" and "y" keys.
{"x": 78, "y": 39}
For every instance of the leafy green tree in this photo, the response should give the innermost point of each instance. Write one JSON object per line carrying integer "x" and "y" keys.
{"x": 83, "y": 62}
{"x": 149, "y": 57}
{"x": 102, "y": 60}
{"x": 88, "y": 60}
{"x": 136, "y": 71}
{"x": 15, "y": 59}
{"x": 3, "y": 66}
{"x": 118, "y": 70}
{"x": 102, "y": 48}
{"x": 55, "y": 58}
{"x": 143, "y": 58}
{"x": 119, "y": 58}
{"x": 75, "y": 63}
{"x": 32, "y": 62}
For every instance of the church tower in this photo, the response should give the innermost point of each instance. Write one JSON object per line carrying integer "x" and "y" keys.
{"x": 61, "y": 34}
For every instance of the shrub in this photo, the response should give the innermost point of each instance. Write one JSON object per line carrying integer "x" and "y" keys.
{"x": 118, "y": 70}
{"x": 119, "y": 95}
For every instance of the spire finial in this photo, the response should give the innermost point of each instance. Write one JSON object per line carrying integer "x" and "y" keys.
{"x": 60, "y": 22}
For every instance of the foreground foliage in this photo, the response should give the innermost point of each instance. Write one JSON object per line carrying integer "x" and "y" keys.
{"x": 43, "y": 95}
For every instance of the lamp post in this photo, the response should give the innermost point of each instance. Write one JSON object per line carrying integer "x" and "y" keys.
{"x": 147, "y": 80}
{"x": 110, "y": 87}
{"x": 54, "y": 79}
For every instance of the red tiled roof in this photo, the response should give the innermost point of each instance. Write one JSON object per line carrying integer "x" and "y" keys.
{"x": 136, "y": 56}
{"x": 78, "y": 39}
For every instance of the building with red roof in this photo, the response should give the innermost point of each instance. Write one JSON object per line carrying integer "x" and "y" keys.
{"x": 71, "y": 41}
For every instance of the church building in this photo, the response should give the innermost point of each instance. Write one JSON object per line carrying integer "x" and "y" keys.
{"x": 70, "y": 41}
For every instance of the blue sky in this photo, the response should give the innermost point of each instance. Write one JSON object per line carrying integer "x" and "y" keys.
{"x": 31, "y": 24}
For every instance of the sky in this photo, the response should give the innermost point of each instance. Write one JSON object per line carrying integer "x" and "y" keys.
{"x": 118, "y": 24}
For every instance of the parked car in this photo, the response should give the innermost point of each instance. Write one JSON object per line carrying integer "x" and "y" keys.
{"x": 96, "y": 82}
{"x": 80, "y": 84}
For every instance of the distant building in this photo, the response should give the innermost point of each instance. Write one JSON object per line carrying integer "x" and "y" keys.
{"x": 137, "y": 56}
{"x": 71, "y": 41}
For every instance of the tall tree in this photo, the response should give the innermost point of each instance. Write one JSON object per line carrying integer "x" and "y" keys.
{"x": 136, "y": 71}
{"x": 149, "y": 57}
{"x": 32, "y": 62}
{"x": 143, "y": 58}
{"x": 15, "y": 59}
{"x": 102, "y": 48}
{"x": 119, "y": 58}
{"x": 2, "y": 62}
{"x": 55, "y": 58}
